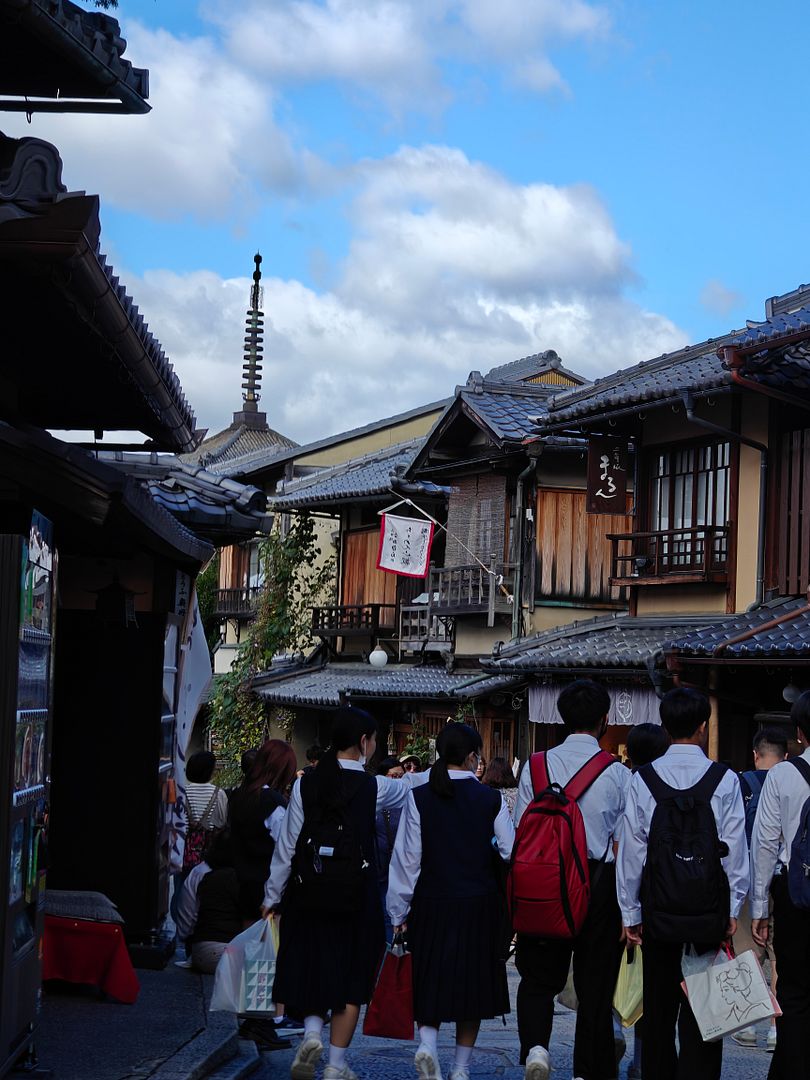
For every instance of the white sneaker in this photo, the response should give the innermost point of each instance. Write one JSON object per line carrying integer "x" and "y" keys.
{"x": 306, "y": 1059}
{"x": 343, "y": 1072}
{"x": 538, "y": 1064}
{"x": 427, "y": 1067}
{"x": 746, "y": 1037}
{"x": 459, "y": 1072}
{"x": 770, "y": 1045}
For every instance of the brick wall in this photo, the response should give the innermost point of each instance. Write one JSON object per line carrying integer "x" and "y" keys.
{"x": 476, "y": 514}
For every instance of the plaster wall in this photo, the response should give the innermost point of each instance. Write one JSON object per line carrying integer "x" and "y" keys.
{"x": 681, "y": 600}
{"x": 375, "y": 440}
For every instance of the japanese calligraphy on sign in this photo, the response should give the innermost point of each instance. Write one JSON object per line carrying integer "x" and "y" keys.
{"x": 607, "y": 476}
{"x": 405, "y": 546}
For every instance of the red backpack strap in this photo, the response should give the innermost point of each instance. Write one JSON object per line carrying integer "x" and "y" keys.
{"x": 593, "y": 768}
{"x": 539, "y": 774}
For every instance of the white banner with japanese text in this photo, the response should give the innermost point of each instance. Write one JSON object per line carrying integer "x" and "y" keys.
{"x": 405, "y": 545}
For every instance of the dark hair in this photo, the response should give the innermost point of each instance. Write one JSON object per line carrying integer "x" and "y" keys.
{"x": 683, "y": 711}
{"x": 583, "y": 705}
{"x": 315, "y": 753}
{"x": 454, "y": 744}
{"x": 645, "y": 743}
{"x": 274, "y": 766}
{"x": 200, "y": 767}
{"x": 219, "y": 853}
{"x": 771, "y": 740}
{"x": 800, "y": 713}
{"x": 387, "y": 764}
{"x": 246, "y": 761}
{"x": 499, "y": 775}
{"x": 348, "y": 728}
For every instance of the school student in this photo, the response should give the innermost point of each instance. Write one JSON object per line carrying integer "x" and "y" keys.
{"x": 783, "y": 796}
{"x": 543, "y": 963}
{"x": 323, "y": 882}
{"x": 648, "y": 913}
{"x": 444, "y": 890}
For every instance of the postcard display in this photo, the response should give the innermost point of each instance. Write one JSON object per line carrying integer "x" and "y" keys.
{"x": 26, "y": 647}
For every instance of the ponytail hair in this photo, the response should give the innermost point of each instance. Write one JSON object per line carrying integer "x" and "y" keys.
{"x": 455, "y": 743}
{"x": 348, "y": 728}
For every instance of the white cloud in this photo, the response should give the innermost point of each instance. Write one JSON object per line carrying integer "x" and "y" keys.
{"x": 208, "y": 147}
{"x": 719, "y": 299}
{"x": 453, "y": 268}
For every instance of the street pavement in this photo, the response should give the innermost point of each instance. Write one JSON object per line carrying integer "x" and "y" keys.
{"x": 497, "y": 1053}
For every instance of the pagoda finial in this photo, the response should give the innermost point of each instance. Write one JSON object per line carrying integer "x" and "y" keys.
{"x": 254, "y": 334}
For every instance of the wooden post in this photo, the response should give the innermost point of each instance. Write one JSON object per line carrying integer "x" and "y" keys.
{"x": 491, "y": 594}
{"x": 713, "y": 749}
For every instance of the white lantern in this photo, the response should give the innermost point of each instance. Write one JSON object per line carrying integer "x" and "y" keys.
{"x": 379, "y": 657}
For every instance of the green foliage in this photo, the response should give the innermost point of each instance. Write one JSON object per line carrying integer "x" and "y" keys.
{"x": 207, "y": 588}
{"x": 465, "y": 712}
{"x": 295, "y": 581}
{"x": 418, "y": 743}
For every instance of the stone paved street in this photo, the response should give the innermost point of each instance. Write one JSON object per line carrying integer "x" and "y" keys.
{"x": 497, "y": 1053}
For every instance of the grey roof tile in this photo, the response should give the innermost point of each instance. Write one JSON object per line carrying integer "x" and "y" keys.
{"x": 617, "y": 641}
{"x": 224, "y": 451}
{"x": 529, "y": 366}
{"x": 507, "y": 413}
{"x": 777, "y": 326}
{"x": 788, "y": 640}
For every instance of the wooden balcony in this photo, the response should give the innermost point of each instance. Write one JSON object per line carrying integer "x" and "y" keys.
{"x": 237, "y": 602}
{"x": 670, "y": 556}
{"x": 353, "y": 620}
{"x": 422, "y": 629}
{"x": 460, "y": 590}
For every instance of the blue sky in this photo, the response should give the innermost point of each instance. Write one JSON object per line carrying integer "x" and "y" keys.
{"x": 441, "y": 185}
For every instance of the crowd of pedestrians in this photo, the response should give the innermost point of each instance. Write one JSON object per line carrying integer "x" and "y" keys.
{"x": 681, "y": 853}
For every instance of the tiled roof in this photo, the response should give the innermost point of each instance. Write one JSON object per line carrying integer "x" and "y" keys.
{"x": 788, "y": 640}
{"x": 372, "y": 474}
{"x": 777, "y": 326}
{"x": 324, "y": 686}
{"x": 528, "y": 366}
{"x": 697, "y": 368}
{"x": 507, "y": 413}
{"x": 617, "y": 641}
{"x": 212, "y": 506}
{"x": 228, "y": 449}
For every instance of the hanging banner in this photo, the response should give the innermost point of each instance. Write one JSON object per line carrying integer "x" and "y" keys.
{"x": 405, "y": 546}
{"x": 607, "y": 476}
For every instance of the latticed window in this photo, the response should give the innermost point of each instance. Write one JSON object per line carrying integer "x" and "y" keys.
{"x": 689, "y": 488}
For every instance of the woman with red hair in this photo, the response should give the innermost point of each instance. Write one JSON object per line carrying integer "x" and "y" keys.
{"x": 256, "y": 813}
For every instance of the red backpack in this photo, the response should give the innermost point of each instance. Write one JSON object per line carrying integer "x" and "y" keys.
{"x": 549, "y": 885}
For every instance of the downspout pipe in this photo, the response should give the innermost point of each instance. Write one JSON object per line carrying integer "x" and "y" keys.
{"x": 520, "y": 512}
{"x": 689, "y": 406}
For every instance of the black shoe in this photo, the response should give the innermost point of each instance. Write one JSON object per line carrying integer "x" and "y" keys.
{"x": 288, "y": 1026}
{"x": 264, "y": 1034}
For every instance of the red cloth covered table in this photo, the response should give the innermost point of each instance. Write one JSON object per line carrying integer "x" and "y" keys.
{"x": 78, "y": 951}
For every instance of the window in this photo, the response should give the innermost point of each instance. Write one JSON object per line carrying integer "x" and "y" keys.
{"x": 255, "y": 567}
{"x": 689, "y": 488}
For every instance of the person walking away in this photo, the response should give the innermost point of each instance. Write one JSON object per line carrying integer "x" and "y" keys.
{"x": 386, "y": 825}
{"x": 499, "y": 775}
{"x": 206, "y": 813}
{"x": 776, "y": 845}
{"x": 682, "y": 876}
{"x": 770, "y": 747}
{"x": 444, "y": 890}
{"x": 324, "y": 868}
{"x": 543, "y": 962}
{"x": 245, "y": 765}
{"x": 645, "y": 743}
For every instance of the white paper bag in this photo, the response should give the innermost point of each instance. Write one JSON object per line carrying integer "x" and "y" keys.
{"x": 729, "y": 995}
{"x": 243, "y": 981}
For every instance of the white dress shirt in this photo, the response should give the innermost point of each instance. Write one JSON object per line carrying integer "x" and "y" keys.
{"x": 682, "y": 766}
{"x": 783, "y": 795}
{"x": 391, "y": 795}
{"x": 406, "y": 860}
{"x": 188, "y": 906}
{"x": 601, "y": 806}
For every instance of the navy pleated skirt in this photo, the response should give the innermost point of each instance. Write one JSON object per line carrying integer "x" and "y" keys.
{"x": 327, "y": 961}
{"x": 459, "y": 970}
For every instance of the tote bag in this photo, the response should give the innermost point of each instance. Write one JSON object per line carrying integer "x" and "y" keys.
{"x": 729, "y": 995}
{"x": 390, "y": 1012}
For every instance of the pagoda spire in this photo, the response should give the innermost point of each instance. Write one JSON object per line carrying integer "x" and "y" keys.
{"x": 254, "y": 347}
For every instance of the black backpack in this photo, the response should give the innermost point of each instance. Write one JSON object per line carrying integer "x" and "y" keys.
{"x": 684, "y": 889}
{"x": 751, "y": 786}
{"x": 799, "y": 865}
{"x": 330, "y": 869}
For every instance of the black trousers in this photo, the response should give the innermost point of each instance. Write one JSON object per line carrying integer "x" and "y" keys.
{"x": 791, "y": 944}
{"x": 543, "y": 967}
{"x": 665, "y": 1005}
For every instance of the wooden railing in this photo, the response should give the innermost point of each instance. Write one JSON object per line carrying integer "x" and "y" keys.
{"x": 351, "y": 620}
{"x": 670, "y": 555}
{"x": 421, "y": 627}
{"x": 460, "y": 589}
{"x": 237, "y": 601}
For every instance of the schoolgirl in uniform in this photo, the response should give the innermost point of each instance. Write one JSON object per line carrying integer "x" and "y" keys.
{"x": 328, "y": 961}
{"x": 444, "y": 890}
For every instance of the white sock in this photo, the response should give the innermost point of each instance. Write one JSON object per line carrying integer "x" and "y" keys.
{"x": 463, "y": 1055}
{"x": 429, "y": 1038}
{"x": 337, "y": 1055}
{"x": 313, "y": 1027}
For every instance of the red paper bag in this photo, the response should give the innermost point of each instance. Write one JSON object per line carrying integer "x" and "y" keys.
{"x": 390, "y": 1011}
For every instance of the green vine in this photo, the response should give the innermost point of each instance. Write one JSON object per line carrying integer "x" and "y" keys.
{"x": 418, "y": 742}
{"x": 295, "y": 582}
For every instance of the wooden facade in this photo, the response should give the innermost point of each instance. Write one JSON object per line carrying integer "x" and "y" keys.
{"x": 362, "y": 582}
{"x": 792, "y": 550}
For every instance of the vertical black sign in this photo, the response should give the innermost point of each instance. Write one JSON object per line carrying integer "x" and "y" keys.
{"x": 607, "y": 476}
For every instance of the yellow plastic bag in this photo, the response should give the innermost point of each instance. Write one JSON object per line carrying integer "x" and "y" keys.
{"x": 628, "y": 998}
